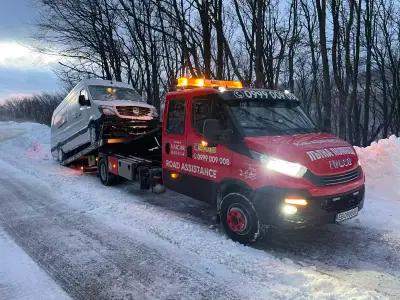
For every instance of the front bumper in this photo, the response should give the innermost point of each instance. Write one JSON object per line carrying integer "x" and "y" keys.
{"x": 320, "y": 210}
{"x": 115, "y": 127}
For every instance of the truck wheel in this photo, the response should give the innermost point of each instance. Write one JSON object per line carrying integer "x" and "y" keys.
{"x": 105, "y": 176}
{"x": 239, "y": 218}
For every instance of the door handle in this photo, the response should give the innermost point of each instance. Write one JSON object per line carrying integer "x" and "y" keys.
{"x": 167, "y": 148}
{"x": 189, "y": 151}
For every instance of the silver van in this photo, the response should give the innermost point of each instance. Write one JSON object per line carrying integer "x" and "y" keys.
{"x": 98, "y": 109}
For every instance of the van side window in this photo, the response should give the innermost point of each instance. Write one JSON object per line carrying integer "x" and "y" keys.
{"x": 59, "y": 119}
{"x": 176, "y": 116}
{"x": 207, "y": 107}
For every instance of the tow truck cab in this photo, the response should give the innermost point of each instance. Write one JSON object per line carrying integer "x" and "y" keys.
{"x": 258, "y": 158}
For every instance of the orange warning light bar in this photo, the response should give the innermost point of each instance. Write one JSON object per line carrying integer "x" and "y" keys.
{"x": 184, "y": 82}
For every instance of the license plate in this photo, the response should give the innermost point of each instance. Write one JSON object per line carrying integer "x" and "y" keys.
{"x": 343, "y": 216}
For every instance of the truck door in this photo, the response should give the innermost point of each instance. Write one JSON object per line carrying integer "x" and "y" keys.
{"x": 174, "y": 144}
{"x": 211, "y": 163}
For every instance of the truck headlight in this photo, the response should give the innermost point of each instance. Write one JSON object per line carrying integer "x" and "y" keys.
{"x": 281, "y": 166}
{"x": 107, "y": 110}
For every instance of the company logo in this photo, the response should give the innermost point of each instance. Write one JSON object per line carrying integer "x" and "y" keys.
{"x": 330, "y": 152}
{"x": 135, "y": 111}
{"x": 341, "y": 163}
{"x": 201, "y": 148}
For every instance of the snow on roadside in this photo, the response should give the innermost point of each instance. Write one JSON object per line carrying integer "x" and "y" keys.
{"x": 21, "y": 278}
{"x": 381, "y": 164}
{"x": 257, "y": 272}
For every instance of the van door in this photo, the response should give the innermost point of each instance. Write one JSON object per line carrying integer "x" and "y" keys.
{"x": 212, "y": 163}
{"x": 59, "y": 129}
{"x": 83, "y": 119}
{"x": 174, "y": 144}
{"x": 74, "y": 128}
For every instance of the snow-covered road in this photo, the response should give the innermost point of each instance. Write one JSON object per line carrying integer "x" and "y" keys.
{"x": 102, "y": 242}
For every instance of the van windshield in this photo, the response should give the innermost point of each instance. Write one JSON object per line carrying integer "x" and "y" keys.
{"x": 257, "y": 118}
{"x": 110, "y": 93}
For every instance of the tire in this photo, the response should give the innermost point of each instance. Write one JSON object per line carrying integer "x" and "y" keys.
{"x": 105, "y": 176}
{"x": 239, "y": 218}
{"x": 93, "y": 134}
{"x": 60, "y": 155}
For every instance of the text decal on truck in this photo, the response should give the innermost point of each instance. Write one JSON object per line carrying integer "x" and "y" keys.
{"x": 195, "y": 169}
{"x": 329, "y": 152}
{"x": 264, "y": 94}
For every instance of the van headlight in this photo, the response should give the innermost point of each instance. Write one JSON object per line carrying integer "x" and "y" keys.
{"x": 154, "y": 112}
{"x": 107, "y": 110}
{"x": 279, "y": 165}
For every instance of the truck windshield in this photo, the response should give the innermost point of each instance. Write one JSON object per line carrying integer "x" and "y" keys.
{"x": 258, "y": 118}
{"x": 109, "y": 93}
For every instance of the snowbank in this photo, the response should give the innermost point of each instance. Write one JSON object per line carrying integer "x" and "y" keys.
{"x": 381, "y": 161}
{"x": 381, "y": 164}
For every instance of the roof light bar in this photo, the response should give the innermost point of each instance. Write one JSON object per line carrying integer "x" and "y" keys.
{"x": 184, "y": 82}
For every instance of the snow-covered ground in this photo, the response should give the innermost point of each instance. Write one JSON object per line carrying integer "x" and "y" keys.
{"x": 21, "y": 277}
{"x": 103, "y": 242}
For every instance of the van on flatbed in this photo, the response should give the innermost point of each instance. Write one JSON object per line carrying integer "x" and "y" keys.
{"x": 96, "y": 112}
{"x": 252, "y": 154}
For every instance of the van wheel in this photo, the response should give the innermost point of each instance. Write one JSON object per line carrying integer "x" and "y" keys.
{"x": 105, "y": 176}
{"x": 92, "y": 134}
{"x": 60, "y": 155}
{"x": 239, "y": 218}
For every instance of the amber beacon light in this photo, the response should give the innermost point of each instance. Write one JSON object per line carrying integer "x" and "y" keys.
{"x": 185, "y": 82}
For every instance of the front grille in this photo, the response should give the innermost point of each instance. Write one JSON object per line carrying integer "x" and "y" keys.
{"x": 334, "y": 179}
{"x": 343, "y": 202}
{"x": 114, "y": 127}
{"x": 133, "y": 111}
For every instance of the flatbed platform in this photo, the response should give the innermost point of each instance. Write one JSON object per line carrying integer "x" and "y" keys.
{"x": 148, "y": 145}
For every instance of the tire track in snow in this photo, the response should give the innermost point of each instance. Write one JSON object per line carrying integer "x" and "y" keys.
{"x": 91, "y": 260}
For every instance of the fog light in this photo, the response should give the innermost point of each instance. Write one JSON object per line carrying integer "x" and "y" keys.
{"x": 289, "y": 209}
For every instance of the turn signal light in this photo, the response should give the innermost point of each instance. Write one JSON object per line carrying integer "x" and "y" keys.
{"x": 295, "y": 201}
{"x": 204, "y": 143}
{"x": 174, "y": 175}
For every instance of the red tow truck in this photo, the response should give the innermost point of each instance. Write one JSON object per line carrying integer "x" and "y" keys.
{"x": 253, "y": 154}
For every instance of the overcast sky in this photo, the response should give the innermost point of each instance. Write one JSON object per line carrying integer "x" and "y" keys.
{"x": 22, "y": 70}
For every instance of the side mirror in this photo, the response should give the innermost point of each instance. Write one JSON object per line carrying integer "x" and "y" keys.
{"x": 83, "y": 101}
{"x": 212, "y": 131}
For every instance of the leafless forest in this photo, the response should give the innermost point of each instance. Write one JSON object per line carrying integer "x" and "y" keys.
{"x": 38, "y": 108}
{"x": 341, "y": 58}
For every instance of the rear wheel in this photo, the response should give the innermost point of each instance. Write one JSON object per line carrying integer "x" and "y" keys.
{"x": 105, "y": 176}
{"x": 239, "y": 218}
